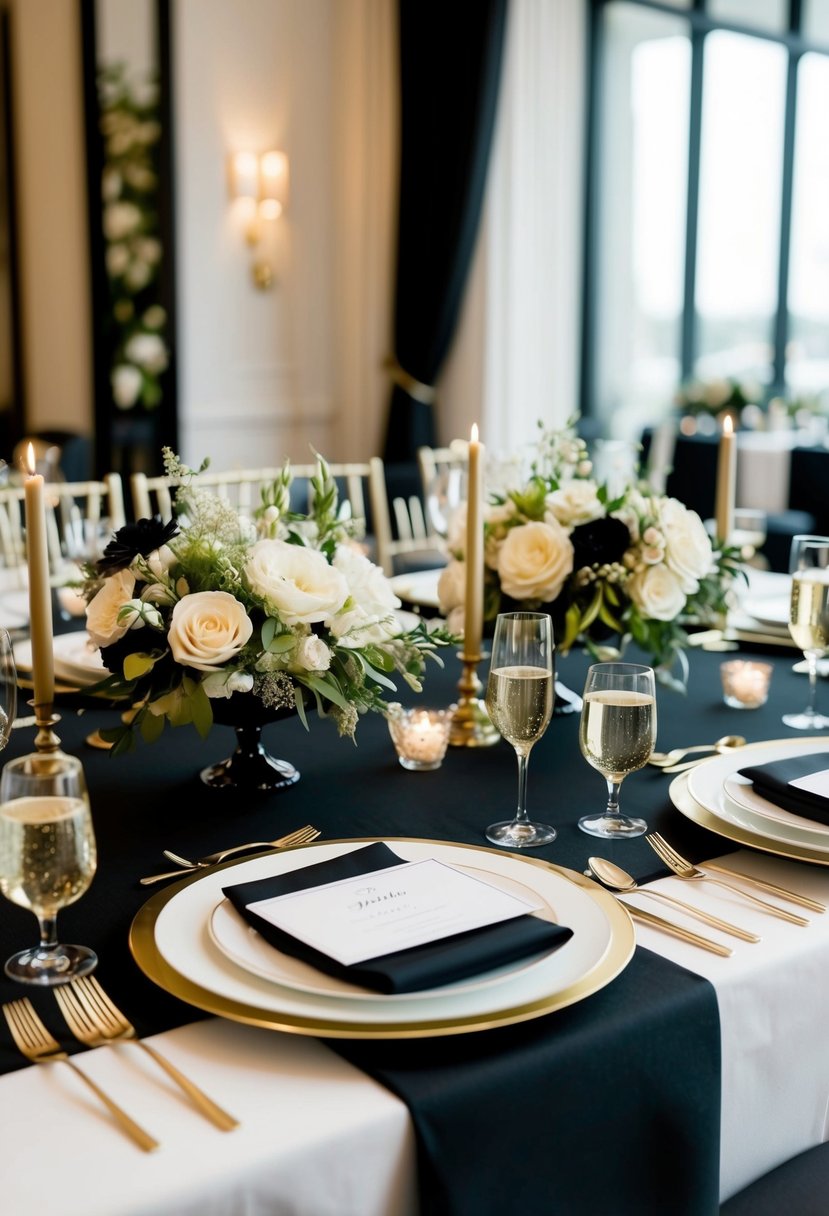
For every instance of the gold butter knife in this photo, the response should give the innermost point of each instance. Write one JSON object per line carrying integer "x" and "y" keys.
{"x": 772, "y": 888}
{"x": 668, "y": 926}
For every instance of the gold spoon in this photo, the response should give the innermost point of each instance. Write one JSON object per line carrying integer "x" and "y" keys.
{"x": 617, "y": 879}
{"x": 663, "y": 759}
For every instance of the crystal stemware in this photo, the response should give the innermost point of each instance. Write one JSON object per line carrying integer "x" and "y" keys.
{"x": 809, "y": 618}
{"x": 617, "y": 734}
{"x": 519, "y": 699}
{"x": 47, "y": 858}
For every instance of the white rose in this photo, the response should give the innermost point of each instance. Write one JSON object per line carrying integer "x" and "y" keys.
{"x": 126, "y": 385}
{"x": 688, "y": 551}
{"x": 657, "y": 593}
{"x": 452, "y": 586}
{"x": 313, "y": 654}
{"x": 208, "y": 628}
{"x": 575, "y": 503}
{"x": 534, "y": 561}
{"x": 299, "y": 583}
{"x": 102, "y": 611}
{"x": 225, "y": 683}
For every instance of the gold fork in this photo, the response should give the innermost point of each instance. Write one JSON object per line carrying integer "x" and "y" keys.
{"x": 94, "y": 1019}
{"x": 684, "y": 869}
{"x": 300, "y": 836}
{"x": 36, "y": 1044}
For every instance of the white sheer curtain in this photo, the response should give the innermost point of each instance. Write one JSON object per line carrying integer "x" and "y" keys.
{"x": 516, "y": 355}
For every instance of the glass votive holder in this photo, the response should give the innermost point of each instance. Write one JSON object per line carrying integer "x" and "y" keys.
{"x": 745, "y": 684}
{"x": 420, "y": 735}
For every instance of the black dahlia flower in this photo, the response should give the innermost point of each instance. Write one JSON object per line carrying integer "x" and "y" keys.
{"x": 134, "y": 540}
{"x": 601, "y": 542}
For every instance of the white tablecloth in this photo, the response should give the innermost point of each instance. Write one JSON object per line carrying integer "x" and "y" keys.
{"x": 318, "y": 1138}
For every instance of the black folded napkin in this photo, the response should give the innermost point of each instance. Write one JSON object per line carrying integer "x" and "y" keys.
{"x": 428, "y": 966}
{"x": 771, "y": 781}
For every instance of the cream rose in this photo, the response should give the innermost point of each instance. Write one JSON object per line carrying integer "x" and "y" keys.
{"x": 298, "y": 582}
{"x": 452, "y": 586}
{"x": 313, "y": 654}
{"x": 688, "y": 551}
{"x": 102, "y": 611}
{"x": 575, "y": 503}
{"x": 207, "y": 628}
{"x": 534, "y": 561}
{"x": 657, "y": 593}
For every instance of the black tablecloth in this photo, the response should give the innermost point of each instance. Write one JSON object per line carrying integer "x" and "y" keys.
{"x": 601, "y": 1107}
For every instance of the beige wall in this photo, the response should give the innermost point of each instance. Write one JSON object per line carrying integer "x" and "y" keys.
{"x": 51, "y": 199}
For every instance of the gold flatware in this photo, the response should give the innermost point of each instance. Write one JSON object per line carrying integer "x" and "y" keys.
{"x": 617, "y": 879}
{"x": 684, "y": 869}
{"x": 726, "y": 743}
{"x": 668, "y": 926}
{"x": 805, "y": 901}
{"x": 97, "y": 1021}
{"x": 36, "y": 1044}
{"x": 300, "y": 836}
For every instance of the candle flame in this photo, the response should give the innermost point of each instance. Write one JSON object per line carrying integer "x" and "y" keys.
{"x": 727, "y": 425}
{"x": 30, "y": 460}
{"x": 473, "y": 437}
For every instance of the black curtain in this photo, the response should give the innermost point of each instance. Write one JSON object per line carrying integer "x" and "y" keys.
{"x": 450, "y": 63}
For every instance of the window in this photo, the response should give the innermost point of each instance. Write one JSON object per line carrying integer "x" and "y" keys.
{"x": 707, "y": 248}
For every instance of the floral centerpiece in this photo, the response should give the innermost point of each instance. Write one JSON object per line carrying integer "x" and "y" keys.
{"x": 277, "y": 609}
{"x": 636, "y": 566}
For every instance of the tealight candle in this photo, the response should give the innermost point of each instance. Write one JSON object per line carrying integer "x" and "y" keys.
{"x": 745, "y": 684}
{"x": 419, "y": 735}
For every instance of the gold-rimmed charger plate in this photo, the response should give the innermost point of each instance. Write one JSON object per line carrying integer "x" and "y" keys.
{"x": 263, "y": 1005}
{"x": 684, "y": 802}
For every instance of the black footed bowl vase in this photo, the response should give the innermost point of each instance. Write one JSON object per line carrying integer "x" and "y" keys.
{"x": 251, "y": 768}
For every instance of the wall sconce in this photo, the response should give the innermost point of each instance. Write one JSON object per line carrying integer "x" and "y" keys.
{"x": 259, "y": 190}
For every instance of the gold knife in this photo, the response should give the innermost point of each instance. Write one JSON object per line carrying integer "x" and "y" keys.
{"x": 771, "y": 887}
{"x": 668, "y": 926}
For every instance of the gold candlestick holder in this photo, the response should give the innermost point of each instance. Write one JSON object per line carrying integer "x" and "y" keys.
{"x": 471, "y": 724}
{"x": 46, "y": 740}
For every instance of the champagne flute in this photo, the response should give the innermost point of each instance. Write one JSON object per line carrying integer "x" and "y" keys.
{"x": 47, "y": 858}
{"x": 809, "y": 618}
{"x": 616, "y": 735}
{"x": 519, "y": 699}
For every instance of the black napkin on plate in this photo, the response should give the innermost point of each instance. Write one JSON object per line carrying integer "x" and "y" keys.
{"x": 419, "y": 967}
{"x": 771, "y": 781}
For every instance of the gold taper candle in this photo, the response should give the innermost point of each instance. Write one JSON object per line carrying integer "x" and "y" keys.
{"x": 726, "y": 481}
{"x": 40, "y": 591}
{"x": 473, "y": 625}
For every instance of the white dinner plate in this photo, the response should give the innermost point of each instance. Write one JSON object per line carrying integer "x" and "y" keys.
{"x": 707, "y": 786}
{"x": 172, "y": 942}
{"x": 420, "y": 587}
{"x": 75, "y": 661}
{"x": 14, "y": 608}
{"x": 240, "y": 942}
{"x": 768, "y": 610}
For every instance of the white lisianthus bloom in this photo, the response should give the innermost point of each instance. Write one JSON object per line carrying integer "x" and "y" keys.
{"x": 225, "y": 683}
{"x": 657, "y": 593}
{"x": 688, "y": 551}
{"x": 312, "y": 654}
{"x": 136, "y": 613}
{"x": 452, "y": 586}
{"x": 102, "y": 622}
{"x": 298, "y": 582}
{"x": 207, "y": 628}
{"x": 369, "y": 615}
{"x": 126, "y": 385}
{"x": 576, "y": 502}
{"x": 534, "y": 561}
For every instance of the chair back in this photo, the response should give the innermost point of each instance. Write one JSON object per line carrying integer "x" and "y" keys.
{"x": 442, "y": 472}
{"x": 408, "y": 543}
{"x": 75, "y": 513}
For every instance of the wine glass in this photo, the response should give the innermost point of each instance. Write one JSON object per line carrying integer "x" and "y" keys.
{"x": 47, "y": 858}
{"x": 8, "y": 687}
{"x": 809, "y": 617}
{"x": 616, "y": 735}
{"x": 519, "y": 698}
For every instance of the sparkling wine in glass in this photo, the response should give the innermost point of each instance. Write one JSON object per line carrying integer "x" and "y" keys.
{"x": 809, "y": 618}
{"x": 47, "y": 858}
{"x": 519, "y": 700}
{"x": 617, "y": 734}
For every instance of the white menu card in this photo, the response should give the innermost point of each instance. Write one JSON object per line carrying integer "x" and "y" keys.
{"x": 388, "y": 910}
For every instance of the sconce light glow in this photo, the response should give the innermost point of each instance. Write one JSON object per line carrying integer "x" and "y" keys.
{"x": 259, "y": 190}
